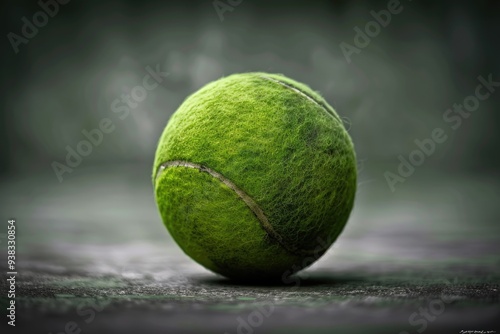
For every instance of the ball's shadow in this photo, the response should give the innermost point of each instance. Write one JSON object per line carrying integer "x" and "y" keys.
{"x": 315, "y": 279}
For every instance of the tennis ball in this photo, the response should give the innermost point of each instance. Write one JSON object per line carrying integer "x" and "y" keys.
{"x": 255, "y": 176}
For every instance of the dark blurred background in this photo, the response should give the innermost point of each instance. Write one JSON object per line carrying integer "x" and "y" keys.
{"x": 394, "y": 91}
{"x": 95, "y": 231}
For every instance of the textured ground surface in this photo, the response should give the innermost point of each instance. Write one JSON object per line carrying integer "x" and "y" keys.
{"x": 93, "y": 255}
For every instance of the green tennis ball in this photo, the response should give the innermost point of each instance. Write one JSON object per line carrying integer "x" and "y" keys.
{"x": 255, "y": 176}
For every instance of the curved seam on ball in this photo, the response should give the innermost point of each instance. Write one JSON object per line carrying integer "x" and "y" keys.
{"x": 300, "y": 92}
{"x": 251, "y": 204}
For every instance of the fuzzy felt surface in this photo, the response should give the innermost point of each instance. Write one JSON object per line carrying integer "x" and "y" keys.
{"x": 216, "y": 228}
{"x": 281, "y": 145}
